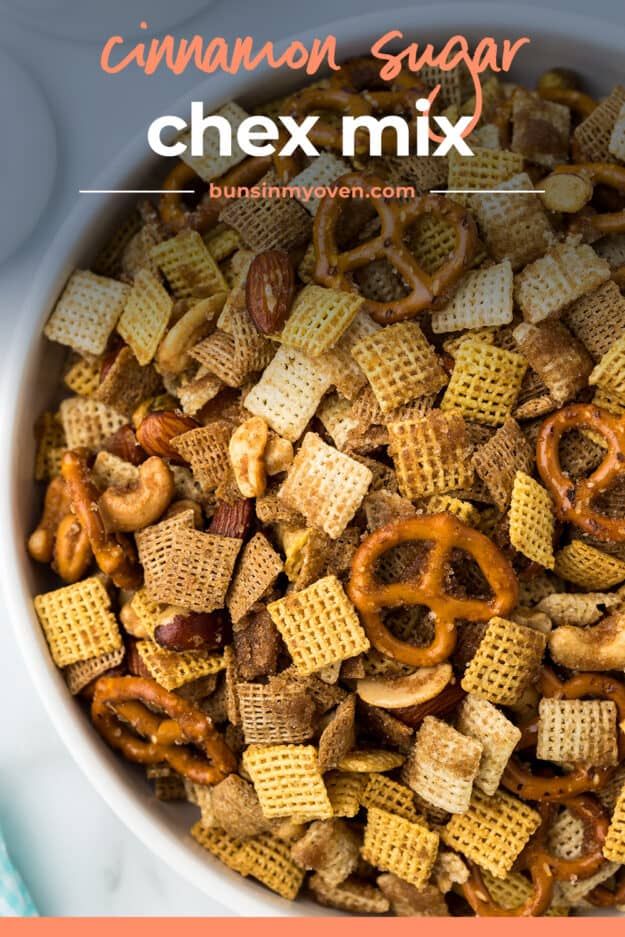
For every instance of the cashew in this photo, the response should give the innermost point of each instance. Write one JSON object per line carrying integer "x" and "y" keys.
{"x": 531, "y": 618}
{"x": 56, "y": 505}
{"x": 398, "y": 692}
{"x": 130, "y": 509}
{"x": 131, "y": 621}
{"x": 247, "y": 448}
{"x": 278, "y": 455}
{"x": 198, "y": 322}
{"x": 72, "y": 550}
{"x": 600, "y": 647}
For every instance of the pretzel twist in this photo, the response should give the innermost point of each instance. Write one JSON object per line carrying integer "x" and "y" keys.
{"x": 445, "y": 533}
{"x": 114, "y": 553}
{"x": 333, "y": 266}
{"x": 582, "y": 778}
{"x": 544, "y": 867}
{"x": 577, "y": 101}
{"x": 607, "y": 174}
{"x": 120, "y": 702}
{"x": 573, "y": 500}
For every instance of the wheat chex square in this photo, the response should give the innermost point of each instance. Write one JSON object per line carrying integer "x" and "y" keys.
{"x": 577, "y": 731}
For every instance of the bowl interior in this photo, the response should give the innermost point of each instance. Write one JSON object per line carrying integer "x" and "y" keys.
{"x": 31, "y": 385}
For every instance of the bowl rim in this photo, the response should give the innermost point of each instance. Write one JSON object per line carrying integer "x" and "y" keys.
{"x": 102, "y": 769}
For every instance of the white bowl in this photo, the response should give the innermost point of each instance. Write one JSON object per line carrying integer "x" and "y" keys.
{"x": 593, "y": 48}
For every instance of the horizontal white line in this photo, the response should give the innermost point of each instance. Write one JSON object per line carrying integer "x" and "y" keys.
{"x": 487, "y": 191}
{"x": 137, "y": 191}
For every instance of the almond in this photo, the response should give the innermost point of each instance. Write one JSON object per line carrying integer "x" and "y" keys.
{"x": 438, "y": 706}
{"x": 233, "y": 520}
{"x": 269, "y": 290}
{"x": 124, "y": 445}
{"x": 182, "y": 630}
{"x": 158, "y": 429}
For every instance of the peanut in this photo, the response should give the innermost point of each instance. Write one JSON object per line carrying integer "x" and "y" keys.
{"x": 56, "y": 505}
{"x": 72, "y": 550}
{"x": 247, "y": 448}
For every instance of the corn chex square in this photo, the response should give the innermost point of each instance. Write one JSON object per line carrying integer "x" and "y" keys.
{"x": 505, "y": 663}
{"x": 485, "y": 382}
{"x": 498, "y": 737}
{"x": 173, "y": 669}
{"x": 289, "y": 392}
{"x": 319, "y": 625}
{"x": 431, "y": 455}
{"x": 588, "y": 567}
{"x": 79, "y": 675}
{"x": 325, "y": 485}
{"x": 188, "y": 265}
{"x": 78, "y": 622}
{"x": 484, "y": 170}
{"x": 532, "y": 523}
{"x": 288, "y": 781}
{"x": 322, "y": 171}
{"x": 268, "y": 859}
{"x": 609, "y": 373}
{"x": 393, "y": 844}
{"x": 83, "y": 376}
{"x": 212, "y": 164}
{"x": 345, "y": 790}
{"x": 400, "y": 364}
{"x": 554, "y": 281}
{"x": 442, "y": 765}
{"x": 318, "y": 318}
{"x": 614, "y": 848}
{"x": 391, "y": 796}
{"x": 145, "y": 317}
{"x": 87, "y": 312}
{"x": 484, "y": 298}
{"x": 228, "y": 849}
{"x": 493, "y": 832}
{"x": 577, "y": 731}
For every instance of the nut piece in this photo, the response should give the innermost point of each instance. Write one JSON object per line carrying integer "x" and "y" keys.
{"x": 56, "y": 505}
{"x": 178, "y": 629}
{"x": 158, "y": 429}
{"x": 172, "y": 356}
{"x": 130, "y": 509}
{"x": 600, "y": 647}
{"x": 124, "y": 445}
{"x": 566, "y": 192}
{"x": 232, "y": 520}
{"x": 131, "y": 621}
{"x": 72, "y": 550}
{"x": 269, "y": 290}
{"x": 278, "y": 455}
{"x": 559, "y": 79}
{"x": 398, "y": 692}
{"x": 246, "y": 448}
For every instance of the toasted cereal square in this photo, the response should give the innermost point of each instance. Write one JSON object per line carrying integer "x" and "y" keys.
{"x": 400, "y": 364}
{"x": 222, "y": 242}
{"x": 483, "y": 298}
{"x": 268, "y": 223}
{"x": 146, "y": 612}
{"x": 614, "y": 848}
{"x": 235, "y": 808}
{"x": 268, "y": 859}
{"x": 87, "y": 312}
{"x": 591, "y": 138}
{"x": 127, "y": 384}
{"x": 108, "y": 261}
{"x": 270, "y": 715}
{"x": 172, "y": 669}
{"x": 325, "y": 485}
{"x": 532, "y": 523}
{"x": 493, "y": 832}
{"x": 345, "y": 789}
{"x": 408, "y": 901}
{"x": 318, "y": 318}
{"x": 577, "y": 731}
{"x": 218, "y": 354}
{"x": 336, "y": 415}
{"x": 485, "y": 382}
{"x": 322, "y": 171}
{"x": 77, "y": 621}
{"x": 515, "y": 227}
{"x": 339, "y": 735}
{"x": 598, "y": 319}
{"x": 445, "y": 504}
{"x": 288, "y": 781}
{"x": 195, "y": 394}
{"x": 145, "y": 317}
{"x": 188, "y": 265}
{"x": 111, "y": 471}
{"x": 342, "y": 368}
{"x": 288, "y": 393}
{"x": 498, "y": 737}
{"x": 79, "y": 675}
{"x": 500, "y": 458}
{"x": 319, "y": 625}
{"x": 353, "y": 895}
{"x": 540, "y": 129}
{"x": 83, "y": 376}
{"x": 206, "y": 451}
{"x": 389, "y": 795}
{"x": 258, "y": 569}
{"x": 380, "y": 281}
{"x": 456, "y": 84}
{"x": 554, "y": 281}
{"x": 431, "y": 240}
{"x": 329, "y": 847}
{"x": 431, "y": 455}
{"x": 213, "y": 163}
{"x": 559, "y": 359}
{"x": 505, "y": 663}
{"x": 442, "y": 765}
{"x": 393, "y": 844}
{"x": 423, "y": 172}
{"x": 617, "y": 139}
{"x": 484, "y": 170}
{"x": 228, "y": 849}
{"x": 588, "y": 567}
{"x": 50, "y": 437}
{"x": 609, "y": 373}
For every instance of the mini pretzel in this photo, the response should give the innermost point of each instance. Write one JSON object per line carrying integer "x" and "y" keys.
{"x": 577, "y": 101}
{"x": 545, "y": 868}
{"x": 114, "y": 553}
{"x": 335, "y": 100}
{"x": 573, "y": 500}
{"x": 333, "y": 265}
{"x": 119, "y": 702}
{"x": 363, "y": 74}
{"x": 171, "y": 206}
{"x": 607, "y": 174}
{"x": 446, "y": 534}
{"x": 602, "y": 897}
{"x": 522, "y": 782}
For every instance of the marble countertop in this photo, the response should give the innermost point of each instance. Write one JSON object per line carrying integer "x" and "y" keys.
{"x": 75, "y": 856}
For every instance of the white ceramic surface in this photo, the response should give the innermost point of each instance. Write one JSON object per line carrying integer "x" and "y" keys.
{"x": 593, "y": 48}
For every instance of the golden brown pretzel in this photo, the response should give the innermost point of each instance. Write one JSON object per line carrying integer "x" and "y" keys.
{"x": 445, "y": 533}
{"x": 363, "y": 74}
{"x": 522, "y": 782}
{"x": 544, "y": 867}
{"x": 334, "y": 100}
{"x": 156, "y": 739}
{"x": 602, "y": 897}
{"x": 114, "y": 553}
{"x": 578, "y": 101}
{"x": 610, "y": 175}
{"x": 573, "y": 500}
{"x": 333, "y": 266}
